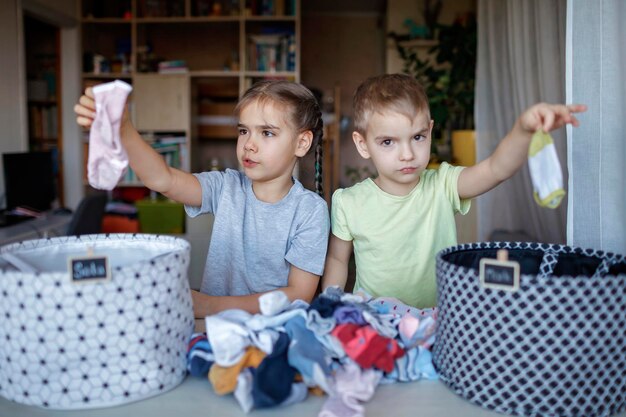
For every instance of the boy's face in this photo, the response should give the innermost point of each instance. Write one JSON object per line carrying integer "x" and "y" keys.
{"x": 399, "y": 147}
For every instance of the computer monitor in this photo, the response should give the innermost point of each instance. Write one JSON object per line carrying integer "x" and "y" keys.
{"x": 29, "y": 180}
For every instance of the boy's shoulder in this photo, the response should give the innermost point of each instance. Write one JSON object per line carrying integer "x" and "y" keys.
{"x": 356, "y": 192}
{"x": 442, "y": 172}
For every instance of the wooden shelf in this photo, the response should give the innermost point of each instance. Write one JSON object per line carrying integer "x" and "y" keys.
{"x": 108, "y": 20}
{"x": 219, "y": 138}
{"x": 107, "y": 75}
{"x": 418, "y": 43}
{"x": 209, "y": 45}
{"x": 188, "y": 19}
{"x": 213, "y": 73}
{"x": 51, "y": 140}
{"x": 270, "y": 18}
{"x": 42, "y": 102}
{"x": 271, "y": 74}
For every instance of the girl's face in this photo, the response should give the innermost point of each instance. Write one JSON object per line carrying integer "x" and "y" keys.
{"x": 268, "y": 145}
{"x": 399, "y": 147}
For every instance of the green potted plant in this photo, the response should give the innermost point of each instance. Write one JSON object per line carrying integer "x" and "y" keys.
{"x": 448, "y": 75}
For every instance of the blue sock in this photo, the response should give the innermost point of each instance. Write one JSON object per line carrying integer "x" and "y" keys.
{"x": 273, "y": 378}
{"x": 306, "y": 354}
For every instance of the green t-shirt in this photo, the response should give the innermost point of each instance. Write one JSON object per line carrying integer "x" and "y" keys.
{"x": 396, "y": 238}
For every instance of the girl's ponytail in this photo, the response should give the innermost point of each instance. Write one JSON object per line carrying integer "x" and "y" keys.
{"x": 318, "y": 137}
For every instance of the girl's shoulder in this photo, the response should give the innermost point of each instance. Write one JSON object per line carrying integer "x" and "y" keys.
{"x": 227, "y": 176}
{"x": 307, "y": 196}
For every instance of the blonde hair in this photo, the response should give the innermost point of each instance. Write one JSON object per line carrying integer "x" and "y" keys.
{"x": 302, "y": 110}
{"x": 397, "y": 92}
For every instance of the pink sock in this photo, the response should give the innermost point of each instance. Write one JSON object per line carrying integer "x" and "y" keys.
{"x": 107, "y": 158}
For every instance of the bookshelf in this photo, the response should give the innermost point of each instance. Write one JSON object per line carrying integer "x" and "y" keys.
{"x": 43, "y": 98}
{"x": 218, "y": 47}
{"x": 189, "y": 61}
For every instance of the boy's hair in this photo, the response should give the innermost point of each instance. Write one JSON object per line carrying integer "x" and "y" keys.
{"x": 397, "y": 92}
{"x": 303, "y": 112}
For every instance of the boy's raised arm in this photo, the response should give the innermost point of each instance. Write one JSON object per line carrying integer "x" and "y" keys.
{"x": 512, "y": 151}
{"x": 336, "y": 268}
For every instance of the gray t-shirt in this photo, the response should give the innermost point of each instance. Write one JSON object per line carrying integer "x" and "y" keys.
{"x": 253, "y": 243}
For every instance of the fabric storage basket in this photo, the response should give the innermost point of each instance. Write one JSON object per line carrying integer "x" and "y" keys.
{"x": 67, "y": 345}
{"x": 555, "y": 347}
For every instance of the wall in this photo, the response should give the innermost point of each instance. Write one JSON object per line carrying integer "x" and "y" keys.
{"x": 60, "y": 13}
{"x": 13, "y": 135}
{"x": 344, "y": 42}
{"x": 13, "y": 117}
{"x": 400, "y": 10}
{"x": 342, "y": 48}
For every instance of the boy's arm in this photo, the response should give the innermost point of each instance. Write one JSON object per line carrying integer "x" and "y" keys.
{"x": 512, "y": 151}
{"x": 149, "y": 166}
{"x": 336, "y": 269}
{"x": 301, "y": 286}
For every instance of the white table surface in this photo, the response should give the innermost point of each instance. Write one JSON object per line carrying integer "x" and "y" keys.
{"x": 195, "y": 398}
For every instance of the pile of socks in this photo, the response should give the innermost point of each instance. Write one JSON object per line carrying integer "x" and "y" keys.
{"x": 342, "y": 345}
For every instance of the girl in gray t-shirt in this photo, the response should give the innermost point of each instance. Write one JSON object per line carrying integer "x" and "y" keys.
{"x": 269, "y": 232}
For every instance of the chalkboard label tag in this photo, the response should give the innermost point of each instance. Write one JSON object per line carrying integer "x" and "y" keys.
{"x": 500, "y": 273}
{"x": 90, "y": 268}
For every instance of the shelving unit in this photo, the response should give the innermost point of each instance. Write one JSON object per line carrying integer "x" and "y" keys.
{"x": 331, "y": 148}
{"x": 223, "y": 44}
{"x": 214, "y": 50}
{"x": 43, "y": 78}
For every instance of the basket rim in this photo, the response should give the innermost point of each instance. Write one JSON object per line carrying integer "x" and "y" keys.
{"x": 93, "y": 238}
{"x": 537, "y": 246}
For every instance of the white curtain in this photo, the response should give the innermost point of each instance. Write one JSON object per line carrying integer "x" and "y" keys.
{"x": 521, "y": 61}
{"x": 596, "y": 68}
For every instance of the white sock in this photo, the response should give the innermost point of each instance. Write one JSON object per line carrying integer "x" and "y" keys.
{"x": 545, "y": 170}
{"x": 107, "y": 160}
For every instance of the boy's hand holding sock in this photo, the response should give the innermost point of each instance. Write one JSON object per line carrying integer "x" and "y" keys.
{"x": 545, "y": 170}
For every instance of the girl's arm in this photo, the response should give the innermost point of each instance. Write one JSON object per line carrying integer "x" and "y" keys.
{"x": 336, "y": 269}
{"x": 512, "y": 151}
{"x": 149, "y": 166}
{"x": 301, "y": 286}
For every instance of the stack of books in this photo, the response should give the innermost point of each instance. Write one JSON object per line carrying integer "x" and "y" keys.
{"x": 171, "y": 147}
{"x": 272, "y": 52}
{"x": 177, "y": 66}
{"x": 271, "y": 7}
{"x": 42, "y": 121}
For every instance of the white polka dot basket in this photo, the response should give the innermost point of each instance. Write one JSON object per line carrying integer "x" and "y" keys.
{"x": 554, "y": 347}
{"x": 71, "y": 343}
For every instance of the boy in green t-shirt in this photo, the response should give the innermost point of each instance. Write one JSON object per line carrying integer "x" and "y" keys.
{"x": 398, "y": 222}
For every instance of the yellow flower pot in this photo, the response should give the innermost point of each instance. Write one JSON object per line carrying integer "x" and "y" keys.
{"x": 464, "y": 147}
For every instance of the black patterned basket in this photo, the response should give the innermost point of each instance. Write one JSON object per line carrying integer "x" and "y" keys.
{"x": 68, "y": 345}
{"x": 555, "y": 347}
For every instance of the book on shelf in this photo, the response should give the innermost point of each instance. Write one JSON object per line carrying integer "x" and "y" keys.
{"x": 164, "y": 138}
{"x": 180, "y": 70}
{"x": 174, "y": 155}
{"x": 272, "y": 52}
{"x": 177, "y": 66}
{"x": 43, "y": 122}
{"x": 272, "y": 7}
